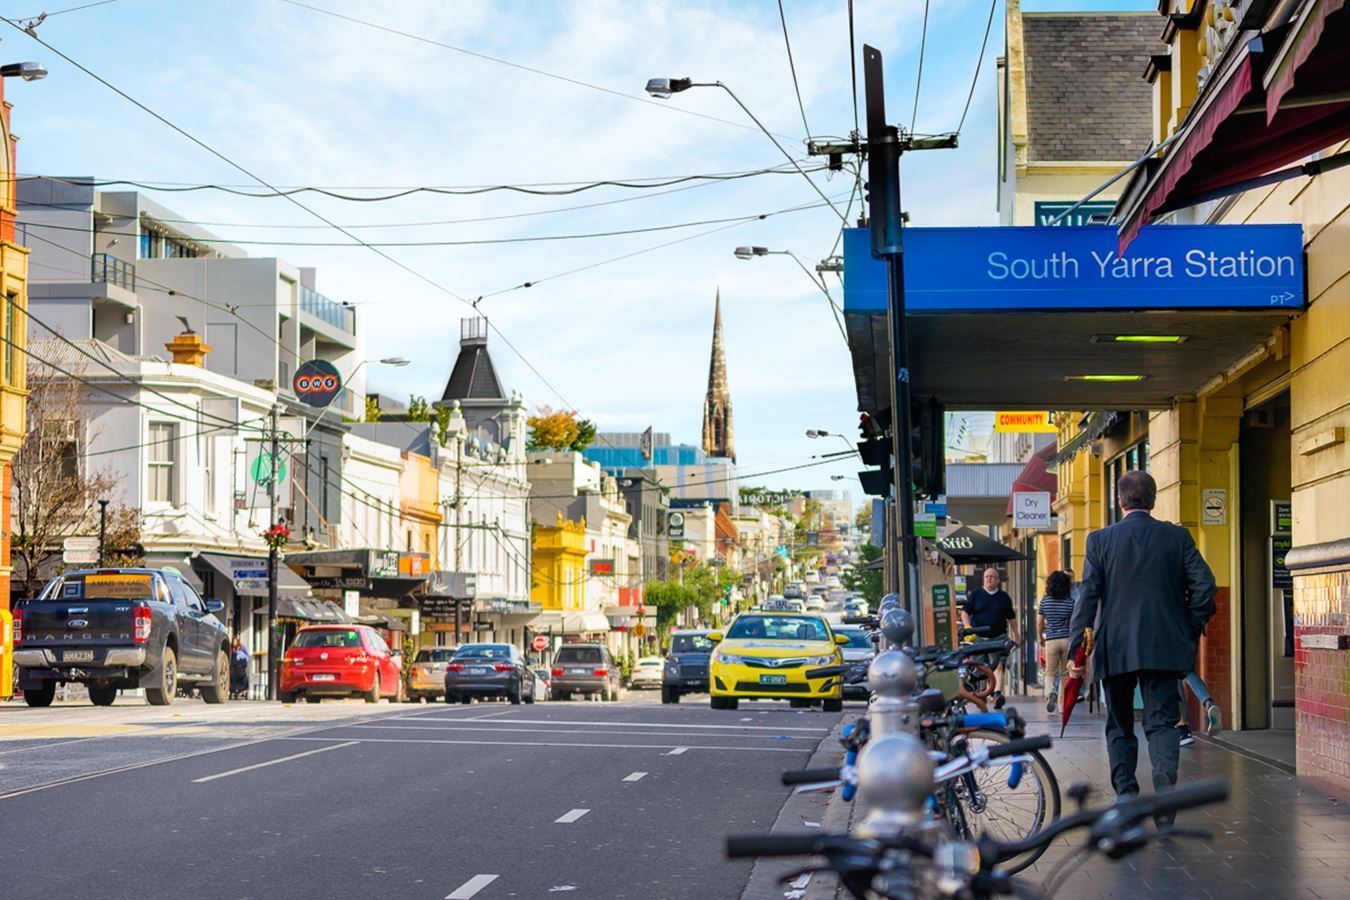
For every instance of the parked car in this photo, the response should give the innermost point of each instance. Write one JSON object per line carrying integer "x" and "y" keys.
{"x": 646, "y": 672}
{"x": 489, "y": 670}
{"x": 815, "y": 603}
{"x": 340, "y": 661}
{"x": 859, "y": 649}
{"x": 686, "y": 665}
{"x": 543, "y": 684}
{"x": 114, "y": 629}
{"x": 585, "y": 669}
{"x": 426, "y": 680}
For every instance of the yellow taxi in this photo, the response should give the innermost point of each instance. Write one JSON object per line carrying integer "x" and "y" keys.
{"x": 765, "y": 655}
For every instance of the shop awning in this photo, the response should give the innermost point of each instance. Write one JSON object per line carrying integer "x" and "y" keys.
{"x": 571, "y": 621}
{"x": 378, "y": 573}
{"x": 248, "y": 574}
{"x": 318, "y": 611}
{"x": 966, "y": 546}
{"x": 1093, "y": 426}
{"x": 1275, "y": 98}
{"x": 1036, "y": 475}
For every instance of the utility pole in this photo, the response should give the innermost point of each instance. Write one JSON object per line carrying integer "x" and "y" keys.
{"x": 102, "y": 533}
{"x": 273, "y": 643}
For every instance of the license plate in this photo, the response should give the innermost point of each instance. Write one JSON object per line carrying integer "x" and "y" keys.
{"x": 477, "y": 671}
{"x": 78, "y": 656}
{"x": 323, "y": 678}
{"x": 773, "y": 679}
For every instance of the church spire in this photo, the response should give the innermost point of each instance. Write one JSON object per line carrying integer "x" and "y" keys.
{"x": 717, "y": 432}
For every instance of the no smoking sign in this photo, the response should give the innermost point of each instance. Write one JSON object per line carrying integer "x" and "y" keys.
{"x": 1214, "y": 506}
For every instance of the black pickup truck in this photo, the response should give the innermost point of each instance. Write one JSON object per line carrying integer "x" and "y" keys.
{"x": 121, "y": 628}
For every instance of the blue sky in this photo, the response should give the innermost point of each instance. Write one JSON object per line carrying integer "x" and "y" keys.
{"x": 302, "y": 98}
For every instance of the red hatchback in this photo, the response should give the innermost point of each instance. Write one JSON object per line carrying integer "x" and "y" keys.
{"x": 340, "y": 661}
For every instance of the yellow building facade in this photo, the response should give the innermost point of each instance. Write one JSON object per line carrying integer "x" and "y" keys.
{"x": 559, "y": 573}
{"x": 14, "y": 328}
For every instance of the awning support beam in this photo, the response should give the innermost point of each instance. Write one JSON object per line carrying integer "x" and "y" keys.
{"x": 1308, "y": 169}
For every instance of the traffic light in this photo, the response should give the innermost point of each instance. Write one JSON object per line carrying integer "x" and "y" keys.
{"x": 928, "y": 447}
{"x": 875, "y": 450}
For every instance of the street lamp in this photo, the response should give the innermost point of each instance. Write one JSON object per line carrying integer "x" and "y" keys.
{"x": 814, "y": 433}
{"x": 28, "y": 71}
{"x": 397, "y": 362}
{"x": 817, "y": 279}
{"x": 662, "y": 88}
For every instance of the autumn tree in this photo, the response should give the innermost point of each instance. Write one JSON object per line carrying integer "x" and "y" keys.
{"x": 559, "y": 430}
{"x": 55, "y": 494}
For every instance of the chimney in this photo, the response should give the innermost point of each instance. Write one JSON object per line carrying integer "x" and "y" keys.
{"x": 187, "y": 348}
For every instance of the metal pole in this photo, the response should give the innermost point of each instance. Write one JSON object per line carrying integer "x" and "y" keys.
{"x": 273, "y": 642}
{"x": 102, "y": 533}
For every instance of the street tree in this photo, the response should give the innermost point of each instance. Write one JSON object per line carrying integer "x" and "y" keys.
{"x": 559, "y": 430}
{"x": 55, "y": 493}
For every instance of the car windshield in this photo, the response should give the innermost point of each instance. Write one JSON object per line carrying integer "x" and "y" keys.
{"x": 780, "y": 628}
{"x": 435, "y": 654}
{"x": 484, "y": 651}
{"x": 328, "y": 637}
{"x": 579, "y": 655}
{"x": 857, "y": 638}
{"x": 102, "y": 586}
{"x": 690, "y": 643}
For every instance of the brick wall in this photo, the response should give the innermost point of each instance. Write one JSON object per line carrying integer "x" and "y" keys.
{"x": 1322, "y": 693}
{"x": 1215, "y": 662}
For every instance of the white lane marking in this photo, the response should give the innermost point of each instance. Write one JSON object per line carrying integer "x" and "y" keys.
{"x": 273, "y": 762}
{"x": 570, "y": 816}
{"x": 498, "y": 729}
{"x": 492, "y": 715}
{"x": 581, "y": 744}
{"x": 630, "y": 724}
{"x": 467, "y": 890}
{"x": 636, "y": 776}
{"x": 677, "y": 751}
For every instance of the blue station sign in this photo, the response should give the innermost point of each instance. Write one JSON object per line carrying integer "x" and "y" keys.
{"x": 1168, "y": 267}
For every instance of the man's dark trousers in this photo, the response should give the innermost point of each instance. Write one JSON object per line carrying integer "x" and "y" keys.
{"x": 1162, "y": 711}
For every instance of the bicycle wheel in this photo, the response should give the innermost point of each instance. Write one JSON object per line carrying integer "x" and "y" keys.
{"x": 1006, "y": 808}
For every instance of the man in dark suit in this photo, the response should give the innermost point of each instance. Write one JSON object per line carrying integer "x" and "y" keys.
{"x": 1155, "y": 593}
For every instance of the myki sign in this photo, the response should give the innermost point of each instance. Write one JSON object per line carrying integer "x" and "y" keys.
{"x": 1167, "y": 267}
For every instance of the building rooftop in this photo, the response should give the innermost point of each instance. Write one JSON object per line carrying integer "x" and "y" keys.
{"x": 1086, "y": 96}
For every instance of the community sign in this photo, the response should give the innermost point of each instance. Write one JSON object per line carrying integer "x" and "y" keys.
{"x": 1168, "y": 267}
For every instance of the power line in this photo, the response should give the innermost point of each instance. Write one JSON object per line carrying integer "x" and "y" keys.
{"x": 400, "y": 193}
{"x": 918, "y": 82}
{"x": 524, "y": 68}
{"x": 782, "y": 17}
{"x": 853, "y": 66}
{"x": 32, "y": 22}
{"x": 979, "y": 64}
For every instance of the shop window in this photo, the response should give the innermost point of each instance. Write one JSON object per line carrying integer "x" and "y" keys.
{"x": 1135, "y": 458}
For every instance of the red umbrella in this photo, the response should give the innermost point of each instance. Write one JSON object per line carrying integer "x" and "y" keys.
{"x": 1080, "y": 659}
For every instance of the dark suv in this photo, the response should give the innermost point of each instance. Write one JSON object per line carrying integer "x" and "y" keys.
{"x": 686, "y": 669}
{"x": 585, "y": 669}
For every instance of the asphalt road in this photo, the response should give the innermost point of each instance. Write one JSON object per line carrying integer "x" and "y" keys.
{"x": 485, "y": 801}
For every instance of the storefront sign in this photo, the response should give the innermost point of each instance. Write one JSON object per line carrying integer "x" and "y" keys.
{"x": 602, "y": 567}
{"x": 1031, "y": 509}
{"x": 1024, "y": 422}
{"x": 925, "y": 525}
{"x": 942, "y": 614}
{"x": 1049, "y": 210}
{"x": 351, "y": 603}
{"x": 1167, "y": 267}
{"x": 1281, "y": 517}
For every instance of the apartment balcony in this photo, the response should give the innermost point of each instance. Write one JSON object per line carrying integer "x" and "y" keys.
{"x": 340, "y": 316}
{"x": 111, "y": 280}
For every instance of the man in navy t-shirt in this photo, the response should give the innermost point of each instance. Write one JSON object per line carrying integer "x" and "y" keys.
{"x": 990, "y": 606}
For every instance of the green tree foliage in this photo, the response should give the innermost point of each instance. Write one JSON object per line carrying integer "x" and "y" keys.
{"x": 868, "y": 582}
{"x": 585, "y": 435}
{"x": 372, "y": 410}
{"x": 418, "y": 410}
{"x": 670, "y": 598}
{"x": 552, "y": 430}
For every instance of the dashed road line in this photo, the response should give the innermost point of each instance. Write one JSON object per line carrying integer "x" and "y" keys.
{"x": 570, "y": 816}
{"x": 618, "y": 723}
{"x": 636, "y": 776}
{"x": 273, "y": 762}
{"x": 677, "y": 751}
{"x": 468, "y": 889}
{"x": 585, "y": 745}
{"x": 500, "y": 729}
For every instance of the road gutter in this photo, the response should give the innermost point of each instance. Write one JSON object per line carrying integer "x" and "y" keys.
{"x": 827, "y": 810}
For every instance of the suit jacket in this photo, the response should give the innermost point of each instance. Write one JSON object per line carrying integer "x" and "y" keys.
{"x": 1154, "y": 592}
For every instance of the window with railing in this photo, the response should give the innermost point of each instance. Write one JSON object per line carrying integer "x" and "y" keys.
{"x": 339, "y": 315}
{"x": 108, "y": 269}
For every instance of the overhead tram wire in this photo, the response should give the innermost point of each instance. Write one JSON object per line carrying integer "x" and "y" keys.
{"x": 520, "y": 66}
{"x": 979, "y": 64}
{"x": 918, "y": 82}
{"x": 400, "y": 193}
{"x": 792, "y": 66}
{"x": 853, "y": 67}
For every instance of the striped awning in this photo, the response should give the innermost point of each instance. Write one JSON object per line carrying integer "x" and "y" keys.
{"x": 1097, "y": 424}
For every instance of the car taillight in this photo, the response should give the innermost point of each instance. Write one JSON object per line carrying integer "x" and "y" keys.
{"x": 140, "y": 625}
{"x": 557, "y": 672}
{"x": 455, "y": 667}
{"x": 18, "y": 627}
{"x": 501, "y": 668}
{"x": 601, "y": 673}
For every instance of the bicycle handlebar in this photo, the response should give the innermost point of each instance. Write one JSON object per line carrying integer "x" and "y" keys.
{"x": 1025, "y": 745}
{"x": 810, "y": 776}
{"x": 818, "y": 844}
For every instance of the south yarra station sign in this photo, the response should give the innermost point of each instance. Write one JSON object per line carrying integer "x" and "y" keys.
{"x": 1168, "y": 267}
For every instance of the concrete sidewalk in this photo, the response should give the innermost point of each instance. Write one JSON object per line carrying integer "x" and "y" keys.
{"x": 1277, "y": 837}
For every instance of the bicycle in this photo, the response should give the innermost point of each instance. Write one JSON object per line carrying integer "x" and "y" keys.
{"x": 909, "y": 866}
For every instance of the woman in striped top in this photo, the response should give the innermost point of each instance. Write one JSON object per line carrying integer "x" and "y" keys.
{"x": 1056, "y": 609}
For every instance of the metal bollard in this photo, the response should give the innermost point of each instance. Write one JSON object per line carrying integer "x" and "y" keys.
{"x": 892, "y": 677}
{"x": 897, "y": 627}
{"x": 895, "y": 777}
